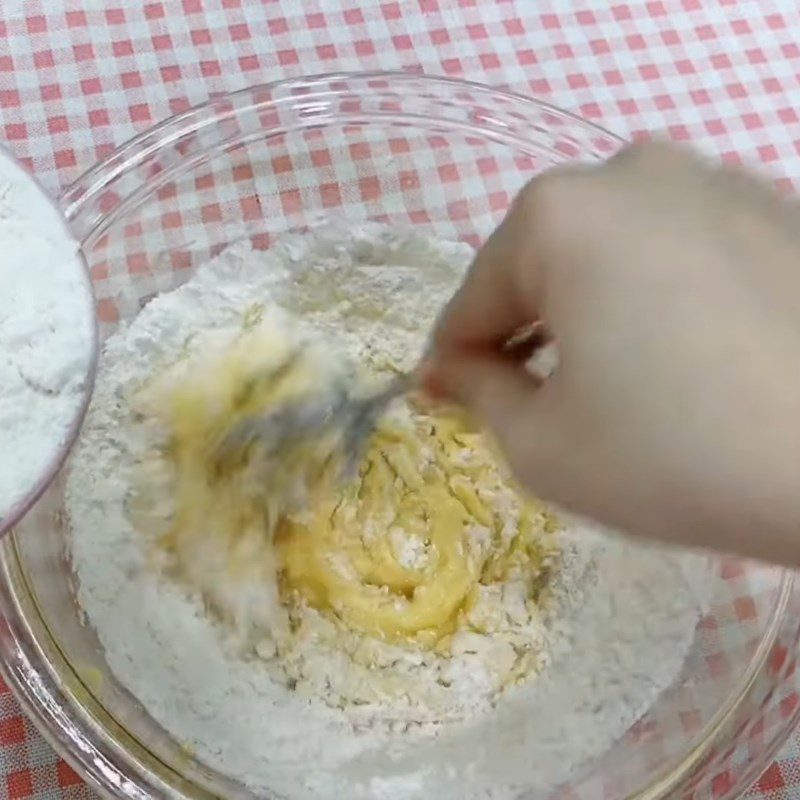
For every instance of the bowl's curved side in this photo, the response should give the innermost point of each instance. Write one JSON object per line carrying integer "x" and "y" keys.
{"x": 720, "y": 764}
{"x": 63, "y": 709}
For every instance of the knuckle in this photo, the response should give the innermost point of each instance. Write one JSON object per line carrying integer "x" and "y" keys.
{"x": 564, "y": 208}
{"x": 549, "y": 199}
{"x": 651, "y": 156}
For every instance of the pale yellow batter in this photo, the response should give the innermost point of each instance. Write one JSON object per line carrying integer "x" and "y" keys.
{"x": 400, "y": 553}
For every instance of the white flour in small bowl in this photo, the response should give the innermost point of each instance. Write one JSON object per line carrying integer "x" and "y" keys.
{"x": 615, "y": 634}
{"x": 46, "y": 333}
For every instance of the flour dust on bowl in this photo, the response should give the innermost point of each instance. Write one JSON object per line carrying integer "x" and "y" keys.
{"x": 355, "y": 658}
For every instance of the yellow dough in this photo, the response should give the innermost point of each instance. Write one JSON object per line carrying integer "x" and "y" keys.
{"x": 396, "y": 553}
{"x": 413, "y": 495}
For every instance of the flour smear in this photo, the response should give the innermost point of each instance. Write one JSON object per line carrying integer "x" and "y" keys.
{"x": 46, "y": 333}
{"x": 616, "y": 632}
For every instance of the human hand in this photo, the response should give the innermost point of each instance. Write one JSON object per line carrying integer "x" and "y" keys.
{"x": 672, "y": 290}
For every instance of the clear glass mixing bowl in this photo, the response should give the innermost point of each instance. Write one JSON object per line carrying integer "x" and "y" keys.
{"x": 444, "y": 155}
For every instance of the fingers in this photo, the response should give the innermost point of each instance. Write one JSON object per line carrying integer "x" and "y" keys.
{"x": 498, "y": 295}
{"x": 504, "y": 288}
{"x": 499, "y": 392}
{"x": 490, "y": 305}
{"x": 491, "y": 388}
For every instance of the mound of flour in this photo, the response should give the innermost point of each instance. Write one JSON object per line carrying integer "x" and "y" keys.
{"x": 46, "y": 330}
{"x": 624, "y": 616}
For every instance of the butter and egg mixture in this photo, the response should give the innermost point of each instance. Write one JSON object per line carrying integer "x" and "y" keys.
{"x": 420, "y": 555}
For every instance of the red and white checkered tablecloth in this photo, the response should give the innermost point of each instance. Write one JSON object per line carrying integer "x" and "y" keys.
{"x": 79, "y": 77}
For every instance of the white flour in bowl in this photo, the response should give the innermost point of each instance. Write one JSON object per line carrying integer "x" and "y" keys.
{"x": 46, "y": 329}
{"x": 617, "y": 631}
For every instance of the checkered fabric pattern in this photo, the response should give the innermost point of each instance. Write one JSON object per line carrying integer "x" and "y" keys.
{"x": 77, "y": 79}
